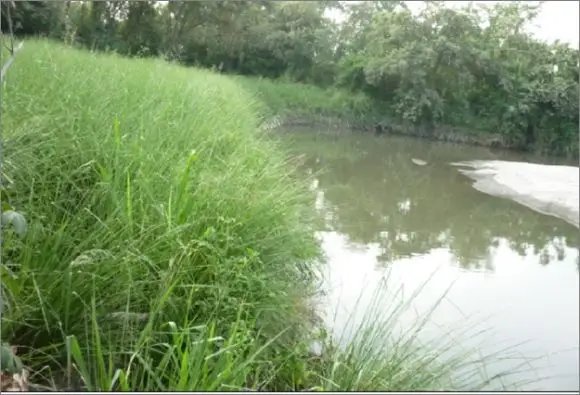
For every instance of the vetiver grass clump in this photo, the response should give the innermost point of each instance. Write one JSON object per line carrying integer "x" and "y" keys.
{"x": 170, "y": 246}
{"x": 158, "y": 219}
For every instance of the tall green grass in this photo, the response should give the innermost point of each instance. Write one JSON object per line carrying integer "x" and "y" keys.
{"x": 170, "y": 247}
{"x": 291, "y": 99}
{"x": 149, "y": 194}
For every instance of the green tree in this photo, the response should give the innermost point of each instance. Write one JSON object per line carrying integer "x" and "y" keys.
{"x": 32, "y": 18}
{"x": 474, "y": 67}
{"x": 140, "y": 30}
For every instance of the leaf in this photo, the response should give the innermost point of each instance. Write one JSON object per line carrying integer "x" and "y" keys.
{"x": 9, "y": 362}
{"x": 17, "y": 220}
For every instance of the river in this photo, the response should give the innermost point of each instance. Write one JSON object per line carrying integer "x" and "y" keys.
{"x": 388, "y": 221}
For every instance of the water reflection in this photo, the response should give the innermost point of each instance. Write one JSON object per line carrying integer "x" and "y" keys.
{"x": 516, "y": 268}
{"x": 527, "y": 312}
{"x": 381, "y": 196}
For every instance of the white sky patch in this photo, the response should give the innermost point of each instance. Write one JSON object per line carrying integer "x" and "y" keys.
{"x": 551, "y": 190}
{"x": 557, "y": 20}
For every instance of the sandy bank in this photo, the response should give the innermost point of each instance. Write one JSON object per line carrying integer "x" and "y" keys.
{"x": 551, "y": 190}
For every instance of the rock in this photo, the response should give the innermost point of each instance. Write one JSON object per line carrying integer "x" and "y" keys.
{"x": 14, "y": 382}
{"x": 418, "y": 162}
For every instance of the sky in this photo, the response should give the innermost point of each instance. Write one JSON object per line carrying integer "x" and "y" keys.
{"x": 557, "y": 19}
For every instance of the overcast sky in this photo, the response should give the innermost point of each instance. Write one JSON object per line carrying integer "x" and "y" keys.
{"x": 557, "y": 19}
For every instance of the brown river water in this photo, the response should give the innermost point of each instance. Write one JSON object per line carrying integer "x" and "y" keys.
{"x": 389, "y": 222}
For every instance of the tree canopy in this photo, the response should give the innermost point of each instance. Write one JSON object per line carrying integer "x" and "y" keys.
{"x": 474, "y": 66}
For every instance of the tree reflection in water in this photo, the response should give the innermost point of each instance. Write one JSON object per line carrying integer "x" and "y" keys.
{"x": 376, "y": 194}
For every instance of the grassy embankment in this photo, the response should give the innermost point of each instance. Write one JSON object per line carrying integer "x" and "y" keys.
{"x": 297, "y": 103}
{"x": 169, "y": 246}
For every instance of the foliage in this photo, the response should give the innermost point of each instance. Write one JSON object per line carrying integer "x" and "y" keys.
{"x": 291, "y": 99}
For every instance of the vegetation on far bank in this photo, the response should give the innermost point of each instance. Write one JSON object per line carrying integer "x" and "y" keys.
{"x": 169, "y": 247}
{"x": 287, "y": 99}
{"x": 475, "y": 69}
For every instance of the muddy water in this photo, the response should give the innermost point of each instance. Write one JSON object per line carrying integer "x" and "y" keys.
{"x": 388, "y": 219}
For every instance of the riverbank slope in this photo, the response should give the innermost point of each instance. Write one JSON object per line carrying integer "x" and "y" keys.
{"x": 169, "y": 246}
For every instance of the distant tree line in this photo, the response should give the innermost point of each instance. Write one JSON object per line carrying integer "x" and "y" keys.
{"x": 474, "y": 66}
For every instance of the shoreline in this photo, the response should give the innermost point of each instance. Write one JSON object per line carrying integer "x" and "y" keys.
{"x": 441, "y": 133}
